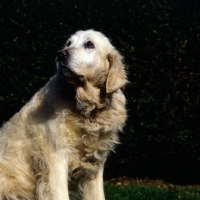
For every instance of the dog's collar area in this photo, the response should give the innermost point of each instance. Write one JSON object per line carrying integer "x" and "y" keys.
{"x": 103, "y": 106}
{"x": 90, "y": 118}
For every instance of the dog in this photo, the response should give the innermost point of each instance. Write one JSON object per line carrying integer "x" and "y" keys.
{"x": 56, "y": 146}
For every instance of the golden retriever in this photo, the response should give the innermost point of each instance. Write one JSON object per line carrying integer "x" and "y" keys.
{"x": 56, "y": 146}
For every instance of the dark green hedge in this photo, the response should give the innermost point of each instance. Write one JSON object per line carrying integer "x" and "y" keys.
{"x": 160, "y": 41}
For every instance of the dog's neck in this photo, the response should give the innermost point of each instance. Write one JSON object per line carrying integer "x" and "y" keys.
{"x": 87, "y": 98}
{"x": 90, "y": 99}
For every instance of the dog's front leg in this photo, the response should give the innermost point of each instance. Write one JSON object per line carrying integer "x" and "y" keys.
{"x": 94, "y": 188}
{"x": 58, "y": 176}
{"x": 55, "y": 187}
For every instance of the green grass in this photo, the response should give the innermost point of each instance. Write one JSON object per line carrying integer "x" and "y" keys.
{"x": 146, "y": 192}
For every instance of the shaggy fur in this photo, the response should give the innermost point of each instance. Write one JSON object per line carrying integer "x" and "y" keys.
{"x": 55, "y": 147}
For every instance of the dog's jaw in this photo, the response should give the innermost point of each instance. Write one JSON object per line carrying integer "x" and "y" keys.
{"x": 65, "y": 71}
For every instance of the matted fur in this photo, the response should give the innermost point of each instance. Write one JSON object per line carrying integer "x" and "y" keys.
{"x": 55, "y": 147}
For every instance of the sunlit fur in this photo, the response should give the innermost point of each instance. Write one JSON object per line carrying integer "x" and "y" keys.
{"x": 55, "y": 147}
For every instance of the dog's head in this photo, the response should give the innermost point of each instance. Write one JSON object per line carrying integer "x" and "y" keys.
{"x": 91, "y": 63}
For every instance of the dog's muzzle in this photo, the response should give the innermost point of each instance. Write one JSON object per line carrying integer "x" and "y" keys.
{"x": 62, "y": 55}
{"x": 62, "y": 58}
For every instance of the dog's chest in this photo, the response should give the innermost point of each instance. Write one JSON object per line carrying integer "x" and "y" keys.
{"x": 88, "y": 155}
{"x": 89, "y": 144}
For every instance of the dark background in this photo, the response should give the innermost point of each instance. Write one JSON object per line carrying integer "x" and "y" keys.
{"x": 160, "y": 41}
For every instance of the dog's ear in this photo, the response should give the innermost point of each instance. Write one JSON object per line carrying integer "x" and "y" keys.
{"x": 117, "y": 76}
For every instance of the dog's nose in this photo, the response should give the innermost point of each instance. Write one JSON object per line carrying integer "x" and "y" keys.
{"x": 62, "y": 54}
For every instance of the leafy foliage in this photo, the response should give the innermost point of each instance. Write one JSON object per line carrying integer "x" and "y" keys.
{"x": 160, "y": 41}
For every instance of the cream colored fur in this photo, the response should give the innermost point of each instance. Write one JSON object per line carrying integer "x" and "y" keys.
{"x": 55, "y": 147}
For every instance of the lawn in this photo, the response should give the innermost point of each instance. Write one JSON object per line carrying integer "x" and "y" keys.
{"x": 148, "y": 191}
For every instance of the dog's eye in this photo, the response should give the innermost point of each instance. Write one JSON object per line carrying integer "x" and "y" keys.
{"x": 89, "y": 45}
{"x": 68, "y": 43}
